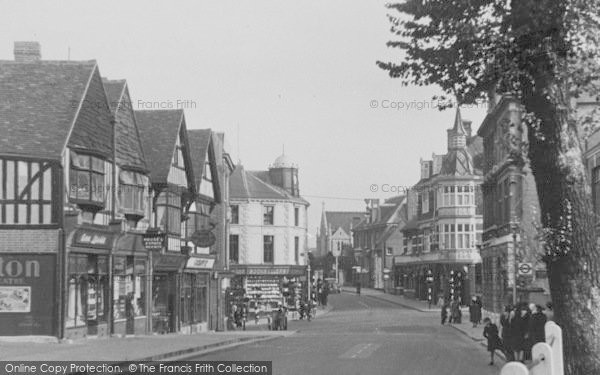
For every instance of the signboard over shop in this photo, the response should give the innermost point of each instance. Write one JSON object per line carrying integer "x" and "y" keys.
{"x": 93, "y": 238}
{"x": 266, "y": 270}
{"x": 200, "y": 263}
{"x": 153, "y": 240}
{"x": 203, "y": 238}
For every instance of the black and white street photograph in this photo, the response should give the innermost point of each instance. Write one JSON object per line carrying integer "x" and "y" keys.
{"x": 318, "y": 187}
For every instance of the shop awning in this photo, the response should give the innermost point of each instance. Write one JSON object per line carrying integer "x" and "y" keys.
{"x": 169, "y": 262}
{"x": 131, "y": 244}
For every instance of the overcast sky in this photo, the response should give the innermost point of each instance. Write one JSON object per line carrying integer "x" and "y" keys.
{"x": 295, "y": 73}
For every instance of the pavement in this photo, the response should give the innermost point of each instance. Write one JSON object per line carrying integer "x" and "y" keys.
{"x": 466, "y": 327}
{"x": 137, "y": 348}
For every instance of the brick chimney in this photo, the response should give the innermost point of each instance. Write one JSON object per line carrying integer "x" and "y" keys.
{"x": 27, "y": 51}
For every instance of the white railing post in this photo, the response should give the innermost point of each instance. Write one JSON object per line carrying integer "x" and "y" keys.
{"x": 542, "y": 364}
{"x": 554, "y": 338}
{"x": 514, "y": 368}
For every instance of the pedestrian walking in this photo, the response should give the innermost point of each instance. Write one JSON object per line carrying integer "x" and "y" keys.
{"x": 325, "y": 293}
{"x": 520, "y": 330}
{"x": 549, "y": 312}
{"x": 506, "y": 334}
{"x": 474, "y": 312}
{"x": 445, "y": 308}
{"x": 537, "y": 324}
{"x": 358, "y": 287}
{"x": 490, "y": 332}
{"x": 455, "y": 313}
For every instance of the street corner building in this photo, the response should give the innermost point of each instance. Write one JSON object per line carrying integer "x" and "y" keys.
{"x": 440, "y": 256}
{"x": 511, "y": 208}
{"x": 268, "y": 237}
{"x": 104, "y": 227}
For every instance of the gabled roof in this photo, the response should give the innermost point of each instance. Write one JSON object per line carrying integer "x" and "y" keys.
{"x": 159, "y": 130}
{"x": 115, "y": 88}
{"x": 39, "y": 103}
{"x": 129, "y": 149}
{"x": 343, "y": 219}
{"x": 199, "y": 141}
{"x": 247, "y": 185}
{"x": 202, "y": 146}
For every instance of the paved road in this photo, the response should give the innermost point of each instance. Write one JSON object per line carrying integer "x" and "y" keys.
{"x": 364, "y": 335}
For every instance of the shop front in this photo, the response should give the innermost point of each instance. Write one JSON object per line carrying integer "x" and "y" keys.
{"x": 166, "y": 291}
{"x": 195, "y": 294}
{"x": 88, "y": 282}
{"x": 262, "y": 288}
{"x": 131, "y": 282}
{"x": 28, "y": 294}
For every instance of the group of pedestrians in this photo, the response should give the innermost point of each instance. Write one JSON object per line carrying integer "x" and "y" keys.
{"x": 522, "y": 326}
{"x": 451, "y": 311}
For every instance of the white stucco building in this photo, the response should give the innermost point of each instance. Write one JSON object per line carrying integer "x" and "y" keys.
{"x": 268, "y": 232}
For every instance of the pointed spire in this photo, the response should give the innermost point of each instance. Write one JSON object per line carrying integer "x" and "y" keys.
{"x": 458, "y": 123}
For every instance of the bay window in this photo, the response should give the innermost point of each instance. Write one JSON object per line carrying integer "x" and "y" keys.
{"x": 132, "y": 192}
{"x": 168, "y": 213}
{"x": 86, "y": 179}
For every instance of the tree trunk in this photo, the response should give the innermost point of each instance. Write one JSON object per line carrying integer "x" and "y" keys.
{"x": 567, "y": 213}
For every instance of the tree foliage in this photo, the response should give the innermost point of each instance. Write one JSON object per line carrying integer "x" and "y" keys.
{"x": 545, "y": 53}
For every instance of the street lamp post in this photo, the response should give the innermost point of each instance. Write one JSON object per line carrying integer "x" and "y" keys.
{"x": 515, "y": 264}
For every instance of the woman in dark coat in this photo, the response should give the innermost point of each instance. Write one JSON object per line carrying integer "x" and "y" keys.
{"x": 507, "y": 337}
{"x": 537, "y": 326}
{"x": 474, "y": 312}
{"x": 520, "y": 330}
{"x": 490, "y": 332}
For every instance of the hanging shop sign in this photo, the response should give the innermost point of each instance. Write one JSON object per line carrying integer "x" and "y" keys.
{"x": 203, "y": 238}
{"x": 153, "y": 240}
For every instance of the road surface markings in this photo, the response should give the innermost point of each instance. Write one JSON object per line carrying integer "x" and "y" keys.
{"x": 363, "y": 350}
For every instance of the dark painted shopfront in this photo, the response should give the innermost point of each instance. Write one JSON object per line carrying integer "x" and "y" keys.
{"x": 28, "y": 294}
{"x": 88, "y": 282}
{"x": 131, "y": 282}
{"x": 195, "y": 295}
{"x": 166, "y": 288}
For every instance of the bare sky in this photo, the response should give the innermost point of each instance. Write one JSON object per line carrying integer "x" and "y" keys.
{"x": 295, "y": 73}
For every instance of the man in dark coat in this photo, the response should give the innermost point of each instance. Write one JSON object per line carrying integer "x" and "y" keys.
{"x": 445, "y": 308}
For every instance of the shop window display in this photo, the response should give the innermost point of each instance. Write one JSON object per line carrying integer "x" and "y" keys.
{"x": 87, "y": 291}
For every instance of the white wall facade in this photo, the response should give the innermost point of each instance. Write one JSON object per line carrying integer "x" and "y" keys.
{"x": 251, "y": 231}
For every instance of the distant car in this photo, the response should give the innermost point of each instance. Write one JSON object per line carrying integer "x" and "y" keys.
{"x": 333, "y": 286}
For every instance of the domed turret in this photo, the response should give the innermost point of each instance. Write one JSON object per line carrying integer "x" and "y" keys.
{"x": 283, "y": 161}
{"x": 284, "y": 173}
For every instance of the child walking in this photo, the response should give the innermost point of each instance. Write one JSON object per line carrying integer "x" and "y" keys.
{"x": 490, "y": 332}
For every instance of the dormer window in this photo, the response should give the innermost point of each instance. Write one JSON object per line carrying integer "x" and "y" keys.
{"x": 132, "y": 197}
{"x": 86, "y": 182}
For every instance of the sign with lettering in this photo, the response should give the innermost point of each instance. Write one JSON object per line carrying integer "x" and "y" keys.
{"x": 203, "y": 238}
{"x": 525, "y": 269}
{"x": 27, "y": 294}
{"x": 200, "y": 263}
{"x": 153, "y": 240}
{"x": 92, "y": 238}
